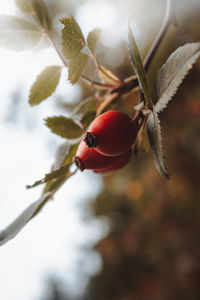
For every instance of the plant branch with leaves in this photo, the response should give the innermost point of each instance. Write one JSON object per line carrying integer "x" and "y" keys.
{"x": 75, "y": 51}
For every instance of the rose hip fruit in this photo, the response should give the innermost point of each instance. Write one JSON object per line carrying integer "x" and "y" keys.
{"x": 112, "y": 133}
{"x": 89, "y": 158}
{"x": 121, "y": 162}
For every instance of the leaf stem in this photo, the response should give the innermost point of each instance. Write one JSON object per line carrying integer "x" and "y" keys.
{"x": 85, "y": 78}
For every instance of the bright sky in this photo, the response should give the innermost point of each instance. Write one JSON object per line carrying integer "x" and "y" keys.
{"x": 50, "y": 243}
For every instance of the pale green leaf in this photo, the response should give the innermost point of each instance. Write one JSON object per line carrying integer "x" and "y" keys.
{"x": 15, "y": 227}
{"x": 92, "y": 38}
{"x": 137, "y": 65}
{"x": 64, "y": 127}
{"x": 75, "y": 67}
{"x": 45, "y": 84}
{"x": 18, "y": 34}
{"x": 72, "y": 38}
{"x": 172, "y": 73}
{"x": 24, "y": 5}
{"x": 155, "y": 141}
{"x": 40, "y": 13}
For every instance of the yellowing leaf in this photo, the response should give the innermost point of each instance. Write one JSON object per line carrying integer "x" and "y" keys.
{"x": 18, "y": 34}
{"x": 45, "y": 84}
{"x": 72, "y": 38}
{"x": 92, "y": 38}
{"x": 76, "y": 66}
{"x": 64, "y": 127}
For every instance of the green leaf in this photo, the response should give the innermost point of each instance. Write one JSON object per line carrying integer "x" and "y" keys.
{"x": 75, "y": 67}
{"x": 15, "y": 227}
{"x": 155, "y": 141}
{"x": 24, "y": 5}
{"x": 172, "y": 73}
{"x": 61, "y": 172}
{"x": 18, "y": 34}
{"x": 72, "y": 38}
{"x": 45, "y": 84}
{"x": 64, "y": 127}
{"x": 40, "y": 13}
{"x": 92, "y": 38}
{"x": 137, "y": 65}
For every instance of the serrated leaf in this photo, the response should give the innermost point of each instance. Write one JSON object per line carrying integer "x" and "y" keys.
{"x": 92, "y": 38}
{"x": 64, "y": 127}
{"x": 137, "y": 65}
{"x": 40, "y": 13}
{"x": 24, "y": 5}
{"x": 45, "y": 84}
{"x": 14, "y": 228}
{"x": 75, "y": 67}
{"x": 18, "y": 34}
{"x": 72, "y": 38}
{"x": 155, "y": 141}
{"x": 61, "y": 172}
{"x": 172, "y": 73}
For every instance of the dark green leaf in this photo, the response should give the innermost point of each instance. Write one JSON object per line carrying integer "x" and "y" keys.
{"x": 92, "y": 39}
{"x": 72, "y": 38}
{"x": 174, "y": 71}
{"x": 155, "y": 141}
{"x": 24, "y": 5}
{"x": 64, "y": 127}
{"x": 14, "y": 228}
{"x": 75, "y": 67}
{"x": 18, "y": 34}
{"x": 40, "y": 13}
{"x": 45, "y": 84}
{"x": 138, "y": 66}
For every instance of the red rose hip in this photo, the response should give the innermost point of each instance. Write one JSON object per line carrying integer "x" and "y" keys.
{"x": 112, "y": 133}
{"x": 121, "y": 162}
{"x": 89, "y": 158}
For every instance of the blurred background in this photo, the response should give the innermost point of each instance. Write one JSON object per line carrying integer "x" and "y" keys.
{"x": 128, "y": 235}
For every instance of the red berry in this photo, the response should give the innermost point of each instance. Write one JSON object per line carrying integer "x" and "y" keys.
{"x": 120, "y": 163}
{"x": 112, "y": 133}
{"x": 88, "y": 158}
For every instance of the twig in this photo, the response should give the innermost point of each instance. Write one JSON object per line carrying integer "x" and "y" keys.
{"x": 161, "y": 33}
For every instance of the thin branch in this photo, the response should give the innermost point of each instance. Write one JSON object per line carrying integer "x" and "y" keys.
{"x": 161, "y": 33}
